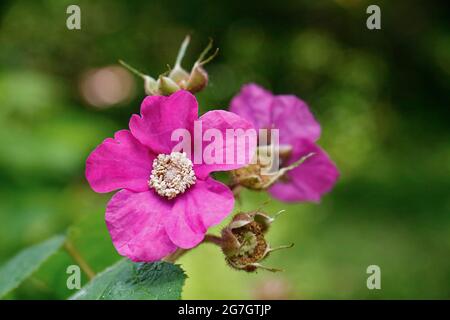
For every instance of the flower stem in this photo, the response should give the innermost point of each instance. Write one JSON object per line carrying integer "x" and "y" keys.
{"x": 76, "y": 256}
{"x": 133, "y": 70}
{"x": 235, "y": 187}
{"x": 209, "y": 238}
{"x": 176, "y": 255}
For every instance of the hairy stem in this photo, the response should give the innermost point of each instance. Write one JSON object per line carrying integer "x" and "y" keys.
{"x": 76, "y": 256}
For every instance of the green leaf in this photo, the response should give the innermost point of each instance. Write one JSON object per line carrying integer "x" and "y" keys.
{"x": 26, "y": 262}
{"x": 126, "y": 280}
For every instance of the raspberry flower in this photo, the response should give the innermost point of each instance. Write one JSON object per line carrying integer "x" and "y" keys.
{"x": 166, "y": 200}
{"x": 308, "y": 171}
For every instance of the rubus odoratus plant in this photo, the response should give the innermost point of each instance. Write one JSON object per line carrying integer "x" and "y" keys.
{"x": 166, "y": 199}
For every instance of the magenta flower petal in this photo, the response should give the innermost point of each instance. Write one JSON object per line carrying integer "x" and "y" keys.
{"x": 206, "y": 204}
{"x": 119, "y": 163}
{"x": 136, "y": 224}
{"x": 310, "y": 180}
{"x": 254, "y": 104}
{"x": 220, "y": 121}
{"x": 160, "y": 116}
{"x": 287, "y": 113}
{"x": 294, "y": 120}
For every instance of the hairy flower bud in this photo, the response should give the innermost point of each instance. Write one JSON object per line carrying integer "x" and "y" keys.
{"x": 167, "y": 86}
{"x": 178, "y": 78}
{"x": 198, "y": 79}
{"x": 179, "y": 75}
{"x": 150, "y": 85}
{"x": 243, "y": 242}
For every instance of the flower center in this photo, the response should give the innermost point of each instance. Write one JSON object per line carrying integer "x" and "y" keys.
{"x": 172, "y": 174}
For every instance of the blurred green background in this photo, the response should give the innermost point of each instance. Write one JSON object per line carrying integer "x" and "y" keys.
{"x": 381, "y": 97}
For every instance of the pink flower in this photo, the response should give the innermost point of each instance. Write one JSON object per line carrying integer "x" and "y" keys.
{"x": 297, "y": 129}
{"x": 165, "y": 200}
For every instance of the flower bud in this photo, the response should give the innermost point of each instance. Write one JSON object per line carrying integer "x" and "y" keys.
{"x": 243, "y": 242}
{"x": 150, "y": 85}
{"x": 179, "y": 75}
{"x": 178, "y": 78}
{"x": 167, "y": 86}
{"x": 198, "y": 79}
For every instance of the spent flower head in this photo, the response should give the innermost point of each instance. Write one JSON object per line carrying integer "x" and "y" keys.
{"x": 258, "y": 175}
{"x": 243, "y": 241}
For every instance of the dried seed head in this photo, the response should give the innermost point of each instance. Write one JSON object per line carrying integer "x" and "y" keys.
{"x": 259, "y": 175}
{"x": 252, "y": 247}
{"x": 172, "y": 174}
{"x": 251, "y": 177}
{"x": 243, "y": 241}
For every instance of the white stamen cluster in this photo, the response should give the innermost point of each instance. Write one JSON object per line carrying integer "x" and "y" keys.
{"x": 172, "y": 174}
